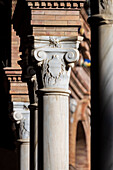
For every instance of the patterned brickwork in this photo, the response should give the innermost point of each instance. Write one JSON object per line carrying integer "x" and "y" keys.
{"x": 18, "y": 89}
{"x": 15, "y": 49}
{"x": 60, "y": 18}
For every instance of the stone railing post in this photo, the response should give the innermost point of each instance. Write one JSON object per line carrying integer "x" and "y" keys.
{"x": 21, "y": 117}
{"x": 54, "y": 57}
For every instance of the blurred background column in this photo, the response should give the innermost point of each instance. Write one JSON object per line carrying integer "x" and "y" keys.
{"x": 102, "y": 84}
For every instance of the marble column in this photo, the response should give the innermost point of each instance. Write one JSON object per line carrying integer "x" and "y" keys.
{"x": 54, "y": 57}
{"x": 102, "y": 84}
{"x": 21, "y": 116}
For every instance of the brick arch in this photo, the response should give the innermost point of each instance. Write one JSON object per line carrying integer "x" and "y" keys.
{"x": 81, "y": 154}
{"x": 81, "y": 114}
{"x": 87, "y": 135}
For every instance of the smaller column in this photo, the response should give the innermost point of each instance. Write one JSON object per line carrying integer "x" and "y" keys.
{"x": 21, "y": 116}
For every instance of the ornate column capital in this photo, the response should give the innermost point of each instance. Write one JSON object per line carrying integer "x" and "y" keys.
{"x": 21, "y": 116}
{"x": 55, "y": 56}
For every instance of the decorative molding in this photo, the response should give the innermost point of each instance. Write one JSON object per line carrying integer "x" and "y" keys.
{"x": 54, "y": 42}
{"x": 48, "y": 4}
{"x": 14, "y": 75}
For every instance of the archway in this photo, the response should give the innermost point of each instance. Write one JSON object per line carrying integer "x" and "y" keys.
{"x": 81, "y": 151}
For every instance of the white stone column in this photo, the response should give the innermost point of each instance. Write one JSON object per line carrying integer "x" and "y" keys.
{"x": 21, "y": 116}
{"x": 54, "y": 57}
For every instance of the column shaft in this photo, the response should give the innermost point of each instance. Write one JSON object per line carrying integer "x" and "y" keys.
{"x": 24, "y": 155}
{"x": 106, "y": 95}
{"x": 56, "y": 131}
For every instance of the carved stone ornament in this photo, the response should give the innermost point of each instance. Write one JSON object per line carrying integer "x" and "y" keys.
{"x": 56, "y": 55}
{"x": 40, "y": 55}
{"x": 106, "y": 7}
{"x": 54, "y": 42}
{"x": 23, "y": 121}
{"x": 72, "y": 56}
{"x": 17, "y": 116}
{"x": 24, "y": 130}
{"x": 55, "y": 68}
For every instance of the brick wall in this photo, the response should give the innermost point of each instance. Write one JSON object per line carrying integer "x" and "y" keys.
{"x": 18, "y": 89}
{"x": 55, "y": 22}
{"x": 15, "y": 44}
